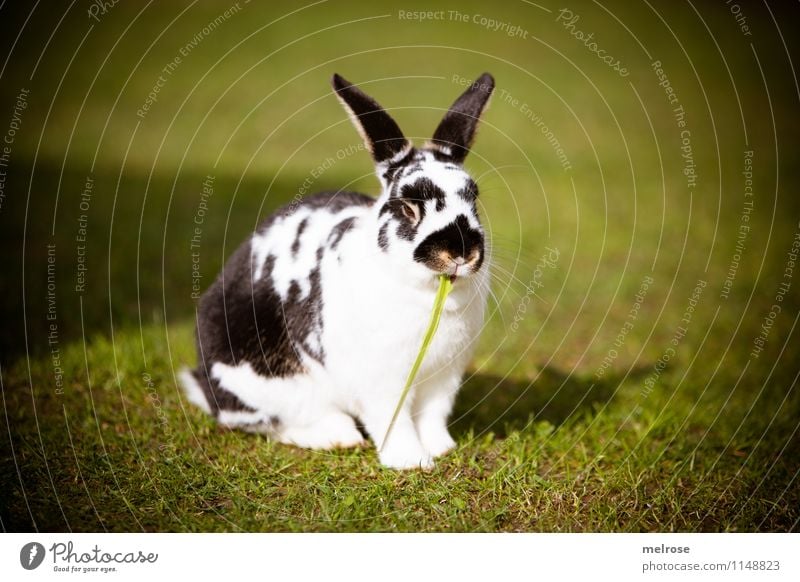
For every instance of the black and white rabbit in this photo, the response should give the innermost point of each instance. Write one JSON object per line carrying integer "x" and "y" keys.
{"x": 317, "y": 318}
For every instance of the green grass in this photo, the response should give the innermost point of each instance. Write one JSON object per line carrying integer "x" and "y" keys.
{"x": 544, "y": 443}
{"x": 126, "y": 456}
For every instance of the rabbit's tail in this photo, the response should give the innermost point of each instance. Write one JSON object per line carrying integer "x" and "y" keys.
{"x": 194, "y": 390}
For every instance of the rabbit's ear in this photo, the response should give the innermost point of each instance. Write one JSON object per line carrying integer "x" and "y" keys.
{"x": 381, "y": 134}
{"x": 456, "y": 131}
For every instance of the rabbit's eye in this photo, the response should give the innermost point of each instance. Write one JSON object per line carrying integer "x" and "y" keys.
{"x": 411, "y": 211}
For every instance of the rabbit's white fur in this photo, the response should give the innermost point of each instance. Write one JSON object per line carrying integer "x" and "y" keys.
{"x": 374, "y": 302}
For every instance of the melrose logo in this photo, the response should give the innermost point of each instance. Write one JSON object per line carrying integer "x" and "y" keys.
{"x": 31, "y": 555}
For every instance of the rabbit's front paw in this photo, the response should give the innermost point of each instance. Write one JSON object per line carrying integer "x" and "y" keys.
{"x": 409, "y": 457}
{"x": 333, "y": 431}
{"x": 437, "y": 442}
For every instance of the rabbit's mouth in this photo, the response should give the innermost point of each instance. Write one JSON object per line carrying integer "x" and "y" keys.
{"x": 454, "y": 276}
{"x": 442, "y": 262}
{"x": 462, "y": 265}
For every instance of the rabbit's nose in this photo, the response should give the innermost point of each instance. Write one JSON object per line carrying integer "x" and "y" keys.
{"x": 458, "y": 260}
{"x": 455, "y": 259}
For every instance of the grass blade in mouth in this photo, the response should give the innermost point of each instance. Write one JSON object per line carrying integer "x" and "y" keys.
{"x": 445, "y": 286}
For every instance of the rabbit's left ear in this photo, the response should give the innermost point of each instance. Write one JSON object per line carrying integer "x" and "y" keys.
{"x": 456, "y": 131}
{"x": 381, "y": 134}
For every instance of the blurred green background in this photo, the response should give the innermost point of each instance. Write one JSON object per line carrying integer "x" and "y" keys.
{"x": 567, "y": 421}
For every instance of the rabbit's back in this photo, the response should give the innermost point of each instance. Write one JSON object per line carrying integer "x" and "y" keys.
{"x": 265, "y": 307}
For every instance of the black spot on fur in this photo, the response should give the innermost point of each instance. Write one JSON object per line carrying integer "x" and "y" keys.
{"x": 440, "y": 156}
{"x": 469, "y": 192}
{"x": 393, "y": 191}
{"x": 383, "y": 238}
{"x": 457, "y": 239}
{"x": 300, "y": 228}
{"x": 422, "y": 190}
{"x": 411, "y": 164}
{"x": 339, "y": 231}
{"x": 217, "y": 397}
{"x": 394, "y": 168}
{"x": 406, "y": 230}
{"x": 304, "y": 315}
{"x": 412, "y": 169}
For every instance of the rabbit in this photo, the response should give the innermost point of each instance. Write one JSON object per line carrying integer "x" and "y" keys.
{"x": 315, "y": 321}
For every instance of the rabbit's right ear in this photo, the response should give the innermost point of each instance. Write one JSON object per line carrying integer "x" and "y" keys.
{"x": 381, "y": 134}
{"x": 456, "y": 131}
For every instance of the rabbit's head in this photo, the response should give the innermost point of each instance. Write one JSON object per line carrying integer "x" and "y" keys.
{"x": 427, "y": 215}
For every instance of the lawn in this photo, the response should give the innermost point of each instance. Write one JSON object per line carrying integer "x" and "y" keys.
{"x": 638, "y": 370}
